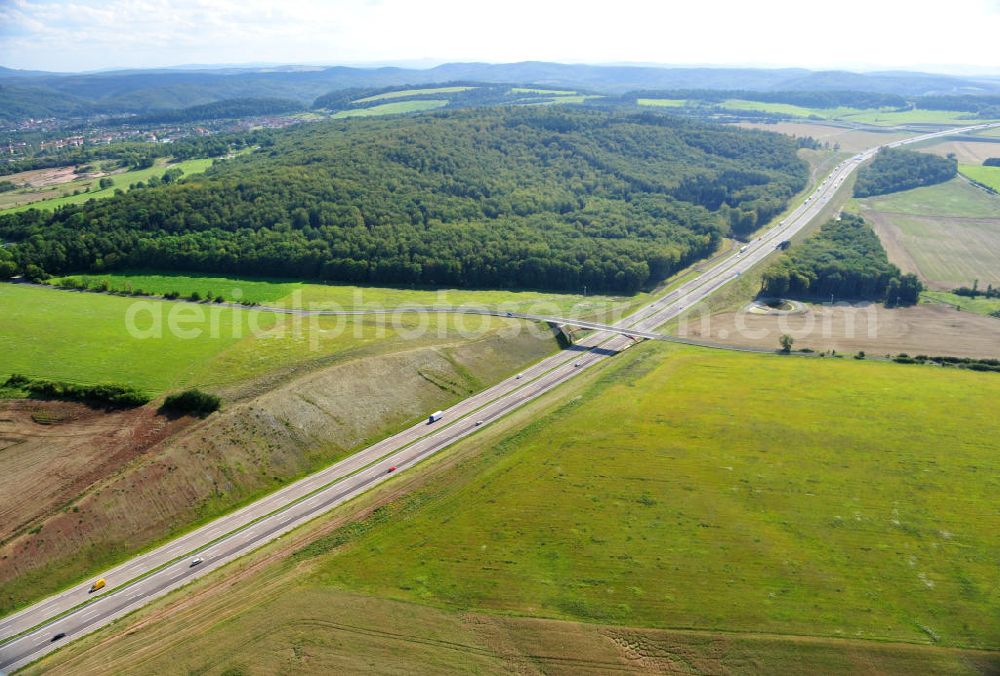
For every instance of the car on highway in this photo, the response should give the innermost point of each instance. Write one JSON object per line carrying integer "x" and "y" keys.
{"x": 61, "y": 634}
{"x": 97, "y": 585}
{"x": 576, "y": 365}
{"x": 197, "y": 560}
{"x": 518, "y": 376}
{"x": 510, "y": 314}
{"x": 478, "y": 423}
{"x": 391, "y": 470}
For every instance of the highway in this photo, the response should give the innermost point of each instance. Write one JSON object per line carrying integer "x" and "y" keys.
{"x": 27, "y": 635}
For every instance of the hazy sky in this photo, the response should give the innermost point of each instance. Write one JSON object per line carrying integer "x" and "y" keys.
{"x": 72, "y": 35}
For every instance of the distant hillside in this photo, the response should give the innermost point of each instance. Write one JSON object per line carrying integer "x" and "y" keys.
{"x": 150, "y": 91}
{"x": 529, "y": 197}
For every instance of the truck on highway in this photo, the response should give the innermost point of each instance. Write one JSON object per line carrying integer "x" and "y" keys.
{"x": 434, "y": 417}
{"x": 98, "y": 585}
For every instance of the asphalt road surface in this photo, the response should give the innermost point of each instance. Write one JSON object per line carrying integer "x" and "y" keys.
{"x": 28, "y": 634}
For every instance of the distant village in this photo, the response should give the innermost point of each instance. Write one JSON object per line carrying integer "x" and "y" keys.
{"x": 48, "y": 130}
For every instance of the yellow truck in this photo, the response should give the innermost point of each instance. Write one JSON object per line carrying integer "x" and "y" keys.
{"x": 98, "y": 585}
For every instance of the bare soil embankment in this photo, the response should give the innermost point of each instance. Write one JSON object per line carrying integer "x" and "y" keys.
{"x": 127, "y": 480}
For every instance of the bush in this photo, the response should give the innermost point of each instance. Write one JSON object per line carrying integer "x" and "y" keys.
{"x": 194, "y": 402}
{"x": 106, "y": 394}
{"x": 172, "y": 295}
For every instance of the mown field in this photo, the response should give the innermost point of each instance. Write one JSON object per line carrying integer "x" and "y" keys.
{"x": 56, "y": 195}
{"x": 726, "y": 518}
{"x": 284, "y": 293}
{"x": 393, "y": 108}
{"x": 948, "y": 234}
{"x": 85, "y": 337}
{"x": 848, "y": 139}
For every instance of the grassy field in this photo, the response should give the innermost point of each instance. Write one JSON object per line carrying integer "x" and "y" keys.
{"x": 889, "y": 119}
{"x": 394, "y": 108}
{"x": 989, "y": 176}
{"x": 83, "y": 337}
{"x": 297, "y": 396}
{"x": 727, "y": 518}
{"x": 291, "y": 629}
{"x": 791, "y": 110}
{"x": 413, "y": 92}
{"x": 120, "y": 182}
{"x": 717, "y": 501}
{"x": 284, "y": 293}
{"x": 954, "y": 198}
{"x": 949, "y": 234}
{"x": 980, "y": 306}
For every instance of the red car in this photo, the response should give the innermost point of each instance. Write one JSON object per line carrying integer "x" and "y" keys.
{"x": 392, "y": 469}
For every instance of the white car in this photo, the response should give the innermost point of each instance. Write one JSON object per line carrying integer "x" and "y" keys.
{"x": 196, "y": 561}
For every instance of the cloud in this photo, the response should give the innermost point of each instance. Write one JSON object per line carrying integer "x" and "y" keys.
{"x": 89, "y": 34}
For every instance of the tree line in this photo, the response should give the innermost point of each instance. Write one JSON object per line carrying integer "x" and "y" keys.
{"x": 511, "y": 197}
{"x": 844, "y": 260}
{"x": 895, "y": 169}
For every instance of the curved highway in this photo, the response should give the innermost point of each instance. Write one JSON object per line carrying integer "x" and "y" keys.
{"x": 32, "y": 632}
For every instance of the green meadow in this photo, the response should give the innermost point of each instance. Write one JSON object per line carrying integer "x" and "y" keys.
{"x": 285, "y": 293}
{"x": 157, "y": 345}
{"x": 120, "y": 182}
{"x": 686, "y": 488}
{"x": 978, "y": 305}
{"x": 988, "y": 176}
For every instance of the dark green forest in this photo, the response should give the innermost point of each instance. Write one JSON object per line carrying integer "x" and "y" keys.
{"x": 895, "y": 169}
{"x": 510, "y": 197}
{"x": 845, "y": 260}
{"x": 219, "y": 110}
